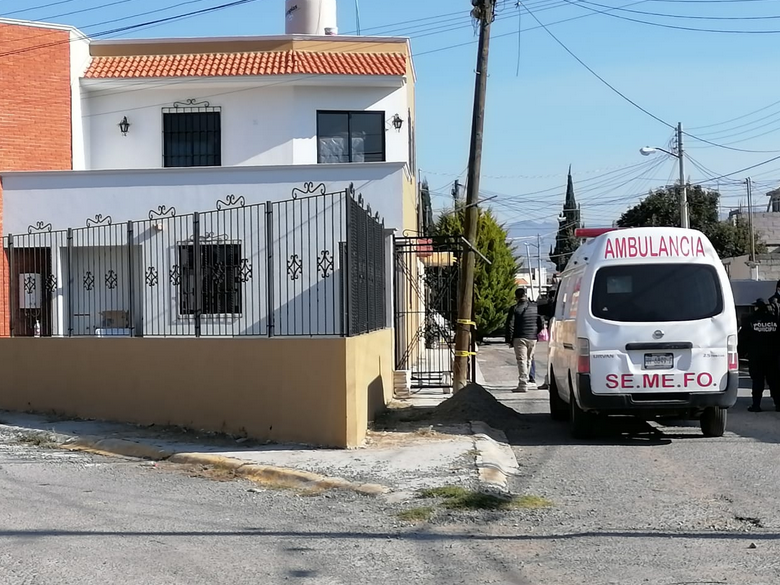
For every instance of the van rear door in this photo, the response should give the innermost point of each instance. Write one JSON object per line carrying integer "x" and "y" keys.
{"x": 658, "y": 328}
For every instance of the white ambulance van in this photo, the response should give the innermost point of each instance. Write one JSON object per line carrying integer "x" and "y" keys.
{"x": 644, "y": 325}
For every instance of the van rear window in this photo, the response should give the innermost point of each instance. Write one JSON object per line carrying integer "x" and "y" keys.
{"x": 656, "y": 292}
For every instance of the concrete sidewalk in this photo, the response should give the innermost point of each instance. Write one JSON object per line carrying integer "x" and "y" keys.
{"x": 389, "y": 461}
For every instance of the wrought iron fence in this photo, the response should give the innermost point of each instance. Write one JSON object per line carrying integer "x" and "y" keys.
{"x": 310, "y": 265}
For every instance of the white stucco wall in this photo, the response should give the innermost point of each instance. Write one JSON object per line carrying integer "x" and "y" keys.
{"x": 304, "y": 301}
{"x": 79, "y": 59}
{"x": 67, "y": 199}
{"x": 263, "y": 123}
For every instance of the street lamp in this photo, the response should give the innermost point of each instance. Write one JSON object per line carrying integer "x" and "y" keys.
{"x": 680, "y": 156}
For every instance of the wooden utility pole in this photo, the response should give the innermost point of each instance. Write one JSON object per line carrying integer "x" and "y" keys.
{"x": 484, "y": 12}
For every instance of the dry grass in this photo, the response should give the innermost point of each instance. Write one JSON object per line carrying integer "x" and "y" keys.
{"x": 458, "y": 498}
{"x": 419, "y": 514}
{"x": 42, "y": 440}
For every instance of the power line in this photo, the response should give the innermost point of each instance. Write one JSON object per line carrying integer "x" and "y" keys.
{"x": 742, "y": 117}
{"x": 581, "y": 4}
{"x": 31, "y": 8}
{"x": 136, "y": 26}
{"x": 626, "y": 98}
{"x": 604, "y": 81}
{"x": 683, "y": 16}
{"x": 513, "y": 33}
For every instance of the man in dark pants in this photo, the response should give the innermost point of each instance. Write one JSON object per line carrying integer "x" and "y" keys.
{"x": 523, "y": 325}
{"x": 761, "y": 341}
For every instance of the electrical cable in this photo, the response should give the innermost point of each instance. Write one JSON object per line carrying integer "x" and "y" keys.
{"x": 681, "y": 16}
{"x": 629, "y": 100}
{"x": 742, "y": 117}
{"x": 202, "y": 11}
{"x": 669, "y": 26}
{"x": 31, "y": 8}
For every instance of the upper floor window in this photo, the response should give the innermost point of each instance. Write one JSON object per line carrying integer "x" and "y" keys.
{"x": 350, "y": 137}
{"x": 192, "y": 135}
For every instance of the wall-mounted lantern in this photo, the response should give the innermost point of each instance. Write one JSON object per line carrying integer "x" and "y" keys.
{"x": 398, "y": 122}
{"x": 124, "y": 126}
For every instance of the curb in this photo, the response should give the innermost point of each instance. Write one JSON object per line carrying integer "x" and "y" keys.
{"x": 277, "y": 476}
{"x": 117, "y": 447}
{"x": 263, "y": 474}
{"x": 495, "y": 459}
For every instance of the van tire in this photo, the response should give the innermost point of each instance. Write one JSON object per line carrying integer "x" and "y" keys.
{"x": 559, "y": 410}
{"x": 581, "y": 421}
{"x": 713, "y": 421}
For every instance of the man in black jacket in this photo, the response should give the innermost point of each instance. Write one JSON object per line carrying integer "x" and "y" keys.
{"x": 523, "y": 325}
{"x": 761, "y": 342}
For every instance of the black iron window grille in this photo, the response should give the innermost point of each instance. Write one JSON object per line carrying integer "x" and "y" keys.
{"x": 344, "y": 137}
{"x": 192, "y": 135}
{"x": 221, "y": 277}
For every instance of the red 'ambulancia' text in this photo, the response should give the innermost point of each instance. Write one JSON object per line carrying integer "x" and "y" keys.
{"x": 654, "y": 247}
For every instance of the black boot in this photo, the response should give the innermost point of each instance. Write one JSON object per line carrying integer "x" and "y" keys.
{"x": 755, "y": 408}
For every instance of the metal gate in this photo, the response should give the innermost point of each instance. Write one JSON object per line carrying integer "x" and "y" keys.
{"x": 427, "y": 271}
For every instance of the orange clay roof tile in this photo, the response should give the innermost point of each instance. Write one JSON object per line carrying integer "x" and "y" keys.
{"x": 241, "y": 64}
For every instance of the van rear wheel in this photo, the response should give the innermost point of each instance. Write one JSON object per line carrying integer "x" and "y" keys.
{"x": 559, "y": 410}
{"x": 713, "y": 421}
{"x": 581, "y": 421}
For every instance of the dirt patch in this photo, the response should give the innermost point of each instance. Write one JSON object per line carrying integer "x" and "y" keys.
{"x": 474, "y": 403}
{"x": 451, "y": 417}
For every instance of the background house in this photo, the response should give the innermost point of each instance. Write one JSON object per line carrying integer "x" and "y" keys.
{"x": 212, "y": 188}
{"x": 171, "y": 127}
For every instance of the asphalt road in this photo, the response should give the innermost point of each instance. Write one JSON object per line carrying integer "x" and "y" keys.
{"x": 646, "y": 503}
{"x": 638, "y": 506}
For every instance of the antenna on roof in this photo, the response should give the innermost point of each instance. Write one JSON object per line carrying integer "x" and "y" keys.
{"x": 357, "y": 16}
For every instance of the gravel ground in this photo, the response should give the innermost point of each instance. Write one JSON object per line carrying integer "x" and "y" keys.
{"x": 644, "y": 503}
{"x": 75, "y": 518}
{"x": 641, "y": 505}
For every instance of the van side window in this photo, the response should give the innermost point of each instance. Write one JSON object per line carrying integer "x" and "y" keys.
{"x": 564, "y": 304}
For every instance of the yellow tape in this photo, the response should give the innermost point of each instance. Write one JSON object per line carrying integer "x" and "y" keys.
{"x": 466, "y": 322}
{"x": 464, "y": 353}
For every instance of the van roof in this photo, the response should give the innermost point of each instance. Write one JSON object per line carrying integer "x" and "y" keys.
{"x": 645, "y": 245}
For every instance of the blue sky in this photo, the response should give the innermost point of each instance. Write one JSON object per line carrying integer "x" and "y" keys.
{"x": 553, "y": 112}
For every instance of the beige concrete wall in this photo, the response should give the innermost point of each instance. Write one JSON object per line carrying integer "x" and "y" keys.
{"x": 369, "y": 380}
{"x": 286, "y": 390}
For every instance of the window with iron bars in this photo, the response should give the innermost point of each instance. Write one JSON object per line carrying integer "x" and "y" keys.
{"x": 220, "y": 281}
{"x": 192, "y": 135}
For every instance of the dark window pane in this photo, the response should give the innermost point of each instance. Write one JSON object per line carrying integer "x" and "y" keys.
{"x": 350, "y": 137}
{"x": 656, "y": 292}
{"x": 192, "y": 139}
{"x": 368, "y": 136}
{"x": 332, "y": 137}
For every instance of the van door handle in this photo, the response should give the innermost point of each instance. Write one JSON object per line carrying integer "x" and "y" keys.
{"x": 568, "y": 346}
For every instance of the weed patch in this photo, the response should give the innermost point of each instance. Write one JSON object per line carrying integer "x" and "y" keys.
{"x": 42, "y": 440}
{"x": 458, "y": 498}
{"x": 419, "y": 514}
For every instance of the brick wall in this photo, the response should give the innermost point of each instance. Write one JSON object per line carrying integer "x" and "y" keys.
{"x": 35, "y": 112}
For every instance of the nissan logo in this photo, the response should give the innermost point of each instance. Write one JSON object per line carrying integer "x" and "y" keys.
{"x": 658, "y": 334}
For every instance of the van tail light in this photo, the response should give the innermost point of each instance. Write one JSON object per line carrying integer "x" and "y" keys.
{"x": 731, "y": 348}
{"x": 583, "y": 356}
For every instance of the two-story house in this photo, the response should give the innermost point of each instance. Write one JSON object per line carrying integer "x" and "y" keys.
{"x": 103, "y": 132}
